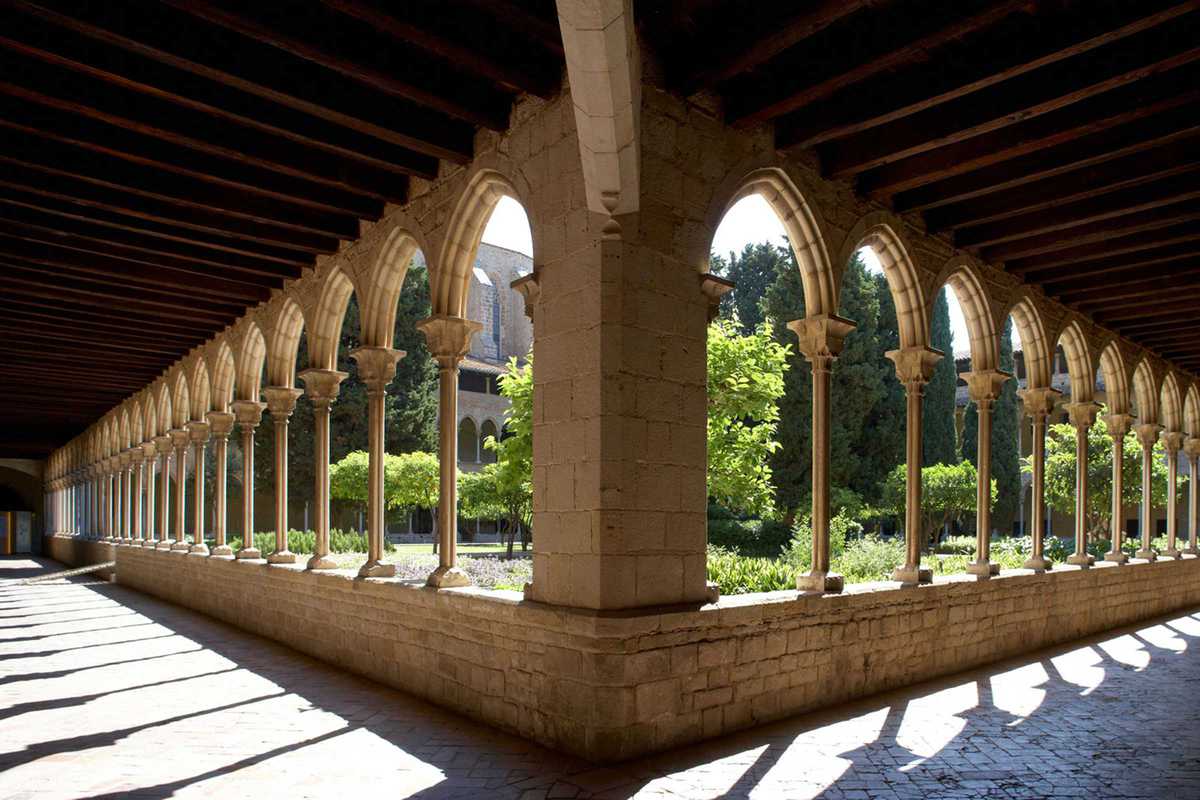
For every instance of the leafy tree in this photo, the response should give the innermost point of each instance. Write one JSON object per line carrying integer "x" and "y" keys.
{"x": 348, "y": 478}
{"x": 513, "y": 469}
{"x": 752, "y": 272}
{"x": 412, "y": 481}
{"x": 745, "y": 382}
{"x": 940, "y": 439}
{"x": 488, "y": 493}
{"x": 884, "y": 433}
{"x": 1060, "y": 474}
{"x": 947, "y": 495}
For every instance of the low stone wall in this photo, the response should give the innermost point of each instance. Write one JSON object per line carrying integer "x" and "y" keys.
{"x": 613, "y": 686}
{"x": 75, "y": 551}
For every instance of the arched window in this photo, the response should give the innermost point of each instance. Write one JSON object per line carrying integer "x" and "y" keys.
{"x": 488, "y": 428}
{"x": 468, "y": 442}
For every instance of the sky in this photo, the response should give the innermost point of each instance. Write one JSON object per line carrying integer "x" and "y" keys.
{"x": 509, "y": 227}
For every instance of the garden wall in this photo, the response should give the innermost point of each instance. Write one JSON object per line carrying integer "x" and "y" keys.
{"x": 612, "y": 686}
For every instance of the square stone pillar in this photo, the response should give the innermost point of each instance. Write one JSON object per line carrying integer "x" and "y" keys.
{"x": 1191, "y": 447}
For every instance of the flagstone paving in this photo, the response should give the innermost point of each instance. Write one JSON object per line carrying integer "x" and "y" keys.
{"x": 105, "y": 692}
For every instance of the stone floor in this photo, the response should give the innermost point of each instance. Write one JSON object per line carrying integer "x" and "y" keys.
{"x": 105, "y": 692}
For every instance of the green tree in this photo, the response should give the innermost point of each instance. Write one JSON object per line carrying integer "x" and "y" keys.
{"x": 1006, "y": 441}
{"x": 412, "y": 481}
{"x": 947, "y": 495}
{"x": 940, "y": 439}
{"x": 884, "y": 435}
{"x": 745, "y": 382}
{"x": 513, "y": 469}
{"x": 752, "y": 272}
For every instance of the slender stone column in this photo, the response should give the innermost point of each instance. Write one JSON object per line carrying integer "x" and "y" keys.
{"x": 127, "y": 497}
{"x": 198, "y": 435}
{"x": 984, "y": 387}
{"x": 281, "y": 402}
{"x": 1191, "y": 447}
{"x": 322, "y": 388}
{"x": 1083, "y": 416}
{"x": 914, "y": 368}
{"x": 821, "y": 340}
{"x": 249, "y": 415}
{"x": 164, "y": 447}
{"x": 1147, "y": 434}
{"x": 376, "y": 368}
{"x": 1172, "y": 444}
{"x": 105, "y": 504}
{"x": 1038, "y": 403}
{"x": 179, "y": 437}
{"x": 135, "y": 510}
{"x": 1118, "y": 428}
{"x": 148, "y": 452}
{"x": 221, "y": 425}
{"x": 449, "y": 340}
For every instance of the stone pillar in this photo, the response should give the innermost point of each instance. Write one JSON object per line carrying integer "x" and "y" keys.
{"x": 179, "y": 437}
{"x": 248, "y": 414}
{"x": 1191, "y": 447}
{"x": 376, "y": 368}
{"x": 1038, "y": 403}
{"x": 1147, "y": 434}
{"x": 449, "y": 340}
{"x": 220, "y": 425}
{"x": 149, "y": 451}
{"x": 281, "y": 402}
{"x": 1083, "y": 416}
{"x": 1118, "y": 428}
{"x": 135, "y": 512}
{"x": 984, "y": 387}
{"x": 322, "y": 388}
{"x": 1172, "y": 444}
{"x": 821, "y": 340}
{"x": 164, "y": 447}
{"x": 106, "y": 520}
{"x": 198, "y": 435}
{"x": 127, "y": 497}
{"x": 914, "y": 368}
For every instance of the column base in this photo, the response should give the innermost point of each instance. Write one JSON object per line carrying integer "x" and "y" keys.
{"x": 163, "y": 545}
{"x": 1146, "y": 555}
{"x": 198, "y": 549}
{"x": 912, "y": 576}
{"x": 377, "y": 569}
{"x": 1172, "y": 553}
{"x": 1039, "y": 564}
{"x": 180, "y": 547}
{"x": 824, "y": 582}
{"x": 138, "y": 543}
{"x": 1081, "y": 560}
{"x": 249, "y": 554}
{"x": 448, "y": 578}
{"x": 1117, "y": 557}
{"x": 983, "y": 569}
{"x": 321, "y": 562}
{"x": 281, "y": 557}
{"x": 221, "y": 551}
{"x": 1191, "y": 551}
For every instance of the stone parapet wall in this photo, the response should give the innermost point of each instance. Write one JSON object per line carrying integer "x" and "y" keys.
{"x": 613, "y": 686}
{"x": 75, "y": 551}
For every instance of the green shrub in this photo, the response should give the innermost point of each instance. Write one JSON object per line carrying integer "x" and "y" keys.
{"x": 956, "y": 546}
{"x": 749, "y": 537}
{"x": 738, "y": 574}
{"x": 870, "y": 558}
{"x": 304, "y": 542}
{"x": 798, "y": 555}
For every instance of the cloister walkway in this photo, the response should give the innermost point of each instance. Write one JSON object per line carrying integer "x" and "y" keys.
{"x": 105, "y": 692}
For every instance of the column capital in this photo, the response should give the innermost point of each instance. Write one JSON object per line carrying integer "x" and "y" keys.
{"x": 1172, "y": 442}
{"x": 1147, "y": 434}
{"x": 713, "y": 287}
{"x": 448, "y": 338}
{"x": 179, "y": 438}
{"x": 163, "y": 445}
{"x": 281, "y": 400}
{"x": 1191, "y": 447}
{"x": 148, "y": 449}
{"x": 530, "y": 288}
{"x": 1083, "y": 414}
{"x": 1039, "y": 401}
{"x": 985, "y": 385}
{"x": 821, "y": 336}
{"x": 124, "y": 459}
{"x": 915, "y": 365}
{"x": 220, "y": 423}
{"x": 322, "y": 385}
{"x": 1118, "y": 424}
{"x": 198, "y": 432}
{"x": 377, "y": 365}
{"x": 136, "y": 456}
{"x": 248, "y": 413}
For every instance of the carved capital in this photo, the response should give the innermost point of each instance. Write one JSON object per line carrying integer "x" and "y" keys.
{"x": 322, "y": 385}
{"x": 1172, "y": 442}
{"x": 149, "y": 450}
{"x": 1191, "y": 447}
{"x": 198, "y": 432}
{"x": 985, "y": 385}
{"x": 821, "y": 337}
{"x": 281, "y": 400}
{"x": 1118, "y": 424}
{"x": 220, "y": 423}
{"x": 449, "y": 338}
{"x": 179, "y": 438}
{"x": 1083, "y": 414}
{"x": 163, "y": 445}
{"x": 714, "y": 288}
{"x": 377, "y": 366}
{"x": 135, "y": 455}
{"x": 915, "y": 365}
{"x": 1039, "y": 401}
{"x": 530, "y": 289}
{"x": 248, "y": 413}
{"x": 1147, "y": 434}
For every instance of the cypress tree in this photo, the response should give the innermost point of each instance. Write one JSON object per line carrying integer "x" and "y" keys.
{"x": 753, "y": 273}
{"x": 884, "y": 435}
{"x": 940, "y": 441}
{"x": 1006, "y": 455}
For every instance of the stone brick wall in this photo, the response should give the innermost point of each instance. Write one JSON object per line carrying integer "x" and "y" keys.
{"x": 612, "y": 686}
{"x": 77, "y": 552}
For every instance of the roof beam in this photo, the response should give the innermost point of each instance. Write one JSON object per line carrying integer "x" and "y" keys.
{"x": 1133, "y": 243}
{"x": 73, "y": 313}
{"x": 1149, "y": 310}
{"x": 113, "y": 301}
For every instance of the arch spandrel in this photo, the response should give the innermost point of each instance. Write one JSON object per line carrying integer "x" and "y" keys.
{"x": 881, "y": 232}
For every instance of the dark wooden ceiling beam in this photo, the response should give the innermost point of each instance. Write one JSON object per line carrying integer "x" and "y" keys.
{"x": 75, "y": 330}
{"x": 94, "y": 355}
{"x": 1128, "y": 292}
{"x": 1109, "y": 266}
{"x": 1133, "y": 243}
{"x": 1093, "y": 232}
{"x": 1134, "y": 328}
{"x": 69, "y": 313}
{"x": 209, "y": 52}
{"x": 120, "y": 301}
{"x": 113, "y": 377}
{"x": 1150, "y": 310}
{"x": 1052, "y": 88}
{"x": 20, "y": 327}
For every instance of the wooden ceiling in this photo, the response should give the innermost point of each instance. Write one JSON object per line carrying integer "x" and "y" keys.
{"x": 164, "y": 165}
{"x": 1059, "y": 139}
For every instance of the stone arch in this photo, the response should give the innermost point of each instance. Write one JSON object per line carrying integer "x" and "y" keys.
{"x": 880, "y": 231}
{"x": 1191, "y": 410}
{"x": 1079, "y": 362}
{"x": 803, "y": 231}
{"x": 150, "y": 422}
{"x": 488, "y": 428}
{"x": 1116, "y": 378}
{"x": 384, "y": 284}
{"x": 200, "y": 391}
{"x": 963, "y": 277}
{"x": 452, "y": 280}
{"x": 325, "y": 332}
{"x": 222, "y": 368}
{"x": 136, "y": 422}
{"x": 249, "y": 358}
{"x": 283, "y": 342}
{"x": 164, "y": 408}
{"x": 1170, "y": 400}
{"x": 123, "y": 435}
{"x": 1145, "y": 392}
{"x": 180, "y": 403}
{"x": 1035, "y": 345}
{"x": 468, "y": 437}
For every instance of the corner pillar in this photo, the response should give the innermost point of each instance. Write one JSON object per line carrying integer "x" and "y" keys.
{"x": 220, "y": 424}
{"x": 248, "y": 414}
{"x": 376, "y": 368}
{"x": 984, "y": 387}
{"x": 1147, "y": 434}
{"x": 1191, "y": 448}
{"x": 322, "y": 386}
